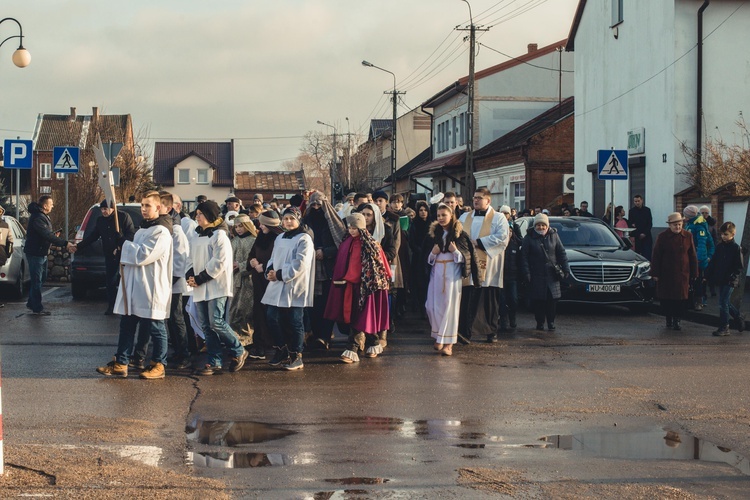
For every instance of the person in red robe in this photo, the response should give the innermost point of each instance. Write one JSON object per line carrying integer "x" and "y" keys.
{"x": 359, "y": 296}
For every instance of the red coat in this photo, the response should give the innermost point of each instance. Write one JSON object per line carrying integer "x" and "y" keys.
{"x": 675, "y": 263}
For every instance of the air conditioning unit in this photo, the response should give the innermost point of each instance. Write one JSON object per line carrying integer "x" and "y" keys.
{"x": 568, "y": 184}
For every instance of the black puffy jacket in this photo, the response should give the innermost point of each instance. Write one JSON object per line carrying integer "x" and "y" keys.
{"x": 40, "y": 235}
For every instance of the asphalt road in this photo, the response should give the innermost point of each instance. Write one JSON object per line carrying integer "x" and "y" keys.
{"x": 611, "y": 405}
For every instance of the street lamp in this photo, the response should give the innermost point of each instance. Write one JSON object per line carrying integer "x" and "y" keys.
{"x": 334, "y": 164}
{"x": 21, "y": 56}
{"x": 395, "y": 94}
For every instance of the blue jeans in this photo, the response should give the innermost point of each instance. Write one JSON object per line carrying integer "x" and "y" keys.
{"x": 153, "y": 327}
{"x": 211, "y": 316}
{"x": 38, "y": 272}
{"x": 293, "y": 319}
{"x": 725, "y": 307}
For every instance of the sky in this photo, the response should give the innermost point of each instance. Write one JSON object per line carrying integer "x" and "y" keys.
{"x": 259, "y": 72}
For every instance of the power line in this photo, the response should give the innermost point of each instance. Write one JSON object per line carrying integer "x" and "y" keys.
{"x": 226, "y": 138}
{"x": 265, "y": 161}
{"x": 532, "y": 4}
{"x": 525, "y": 62}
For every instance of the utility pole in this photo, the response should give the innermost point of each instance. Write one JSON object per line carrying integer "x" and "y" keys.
{"x": 469, "y": 173}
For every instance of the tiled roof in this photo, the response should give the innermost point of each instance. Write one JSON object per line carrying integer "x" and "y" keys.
{"x": 520, "y": 135}
{"x": 454, "y": 160}
{"x": 60, "y": 130}
{"x": 220, "y": 155}
{"x": 378, "y": 126}
{"x": 270, "y": 181}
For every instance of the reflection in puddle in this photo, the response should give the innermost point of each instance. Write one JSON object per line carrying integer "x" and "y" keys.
{"x": 470, "y": 445}
{"x": 238, "y": 460}
{"x": 358, "y": 480}
{"x": 227, "y": 433}
{"x": 662, "y": 444}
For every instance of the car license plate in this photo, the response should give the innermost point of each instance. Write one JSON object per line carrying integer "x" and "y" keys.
{"x": 604, "y": 288}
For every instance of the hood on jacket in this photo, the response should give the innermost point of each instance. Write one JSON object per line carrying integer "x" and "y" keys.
{"x": 457, "y": 229}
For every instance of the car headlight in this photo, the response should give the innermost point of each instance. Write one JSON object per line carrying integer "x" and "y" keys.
{"x": 643, "y": 271}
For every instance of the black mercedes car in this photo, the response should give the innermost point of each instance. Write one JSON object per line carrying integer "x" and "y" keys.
{"x": 604, "y": 269}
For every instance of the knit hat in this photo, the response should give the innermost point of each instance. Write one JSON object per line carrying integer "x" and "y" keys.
{"x": 541, "y": 218}
{"x": 293, "y": 211}
{"x": 505, "y": 209}
{"x": 356, "y": 220}
{"x": 242, "y": 219}
{"x": 379, "y": 194}
{"x": 705, "y": 208}
{"x": 230, "y": 216}
{"x": 258, "y": 197}
{"x": 690, "y": 211}
{"x": 296, "y": 200}
{"x": 104, "y": 204}
{"x": 269, "y": 218}
{"x": 210, "y": 210}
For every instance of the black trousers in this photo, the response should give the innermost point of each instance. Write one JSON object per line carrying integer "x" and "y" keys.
{"x": 674, "y": 309}
{"x": 545, "y": 309}
{"x": 176, "y": 328}
{"x": 479, "y": 311}
{"x": 112, "y": 278}
{"x": 321, "y": 328}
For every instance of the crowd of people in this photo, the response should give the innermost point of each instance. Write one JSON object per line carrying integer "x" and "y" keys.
{"x": 268, "y": 282}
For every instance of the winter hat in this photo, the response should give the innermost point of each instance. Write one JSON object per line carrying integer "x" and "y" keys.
{"x": 296, "y": 200}
{"x": 675, "y": 217}
{"x": 541, "y": 218}
{"x": 690, "y": 211}
{"x": 379, "y": 194}
{"x": 233, "y": 199}
{"x": 269, "y": 218}
{"x": 317, "y": 197}
{"x": 258, "y": 197}
{"x": 293, "y": 211}
{"x": 705, "y": 208}
{"x": 230, "y": 216}
{"x": 545, "y": 211}
{"x": 356, "y": 220}
{"x": 505, "y": 209}
{"x": 104, "y": 204}
{"x": 210, "y": 210}
{"x": 242, "y": 219}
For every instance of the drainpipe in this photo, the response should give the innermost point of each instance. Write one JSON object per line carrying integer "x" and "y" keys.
{"x": 699, "y": 88}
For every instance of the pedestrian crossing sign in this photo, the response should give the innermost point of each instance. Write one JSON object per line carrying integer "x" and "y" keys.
{"x": 613, "y": 164}
{"x": 65, "y": 159}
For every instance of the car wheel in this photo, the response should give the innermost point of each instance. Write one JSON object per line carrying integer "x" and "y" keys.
{"x": 19, "y": 287}
{"x": 78, "y": 290}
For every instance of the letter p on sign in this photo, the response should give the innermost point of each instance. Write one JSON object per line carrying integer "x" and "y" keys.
{"x": 17, "y": 154}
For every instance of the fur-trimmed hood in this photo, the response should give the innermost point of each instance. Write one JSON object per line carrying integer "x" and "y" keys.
{"x": 457, "y": 229}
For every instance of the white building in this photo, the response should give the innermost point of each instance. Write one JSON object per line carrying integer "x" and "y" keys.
{"x": 636, "y": 86}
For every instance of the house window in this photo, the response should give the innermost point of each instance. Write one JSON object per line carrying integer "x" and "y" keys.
{"x": 45, "y": 170}
{"x": 202, "y": 176}
{"x": 455, "y": 132}
{"x": 59, "y": 175}
{"x": 45, "y": 189}
{"x": 616, "y": 12}
{"x": 183, "y": 176}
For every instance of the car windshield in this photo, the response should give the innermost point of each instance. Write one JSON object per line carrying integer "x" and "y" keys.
{"x": 576, "y": 234}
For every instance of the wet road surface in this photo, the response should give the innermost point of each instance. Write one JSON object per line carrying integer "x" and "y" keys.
{"x": 610, "y": 405}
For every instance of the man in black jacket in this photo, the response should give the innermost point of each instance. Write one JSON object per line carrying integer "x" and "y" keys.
{"x": 640, "y": 217}
{"x": 39, "y": 237}
{"x": 112, "y": 240}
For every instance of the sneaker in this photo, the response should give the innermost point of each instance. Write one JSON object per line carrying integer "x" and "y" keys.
{"x": 281, "y": 355}
{"x": 113, "y": 368}
{"x": 208, "y": 370}
{"x": 137, "y": 363}
{"x": 294, "y": 362}
{"x": 721, "y": 332}
{"x": 492, "y": 339}
{"x": 256, "y": 352}
{"x": 153, "y": 372}
{"x": 236, "y": 364}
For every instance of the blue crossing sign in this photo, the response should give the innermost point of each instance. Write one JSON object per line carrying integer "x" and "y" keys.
{"x": 65, "y": 159}
{"x": 613, "y": 164}
{"x": 17, "y": 153}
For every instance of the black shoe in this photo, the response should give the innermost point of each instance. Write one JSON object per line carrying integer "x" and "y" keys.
{"x": 256, "y": 352}
{"x": 741, "y": 324}
{"x": 137, "y": 363}
{"x": 669, "y": 321}
{"x": 721, "y": 332}
{"x": 551, "y": 327}
{"x": 236, "y": 364}
{"x": 676, "y": 325}
{"x": 108, "y": 312}
{"x": 317, "y": 344}
{"x": 540, "y": 326}
{"x": 463, "y": 340}
{"x": 208, "y": 370}
{"x": 491, "y": 339}
{"x": 180, "y": 363}
{"x": 281, "y": 356}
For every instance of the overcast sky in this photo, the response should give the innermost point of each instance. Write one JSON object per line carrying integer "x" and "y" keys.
{"x": 251, "y": 69}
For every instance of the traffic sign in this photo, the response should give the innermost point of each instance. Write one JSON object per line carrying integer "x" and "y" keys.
{"x": 17, "y": 154}
{"x": 65, "y": 159}
{"x": 613, "y": 164}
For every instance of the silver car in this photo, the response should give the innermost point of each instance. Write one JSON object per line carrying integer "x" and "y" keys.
{"x": 14, "y": 275}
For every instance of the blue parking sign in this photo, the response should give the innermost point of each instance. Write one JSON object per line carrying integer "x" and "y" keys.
{"x": 17, "y": 154}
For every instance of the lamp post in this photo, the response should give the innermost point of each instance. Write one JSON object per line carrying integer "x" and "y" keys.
{"x": 333, "y": 165}
{"x": 394, "y": 95}
{"x": 21, "y": 56}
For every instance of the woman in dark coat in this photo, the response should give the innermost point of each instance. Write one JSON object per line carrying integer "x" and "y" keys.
{"x": 541, "y": 250}
{"x": 270, "y": 227}
{"x": 674, "y": 267}
{"x": 419, "y": 275}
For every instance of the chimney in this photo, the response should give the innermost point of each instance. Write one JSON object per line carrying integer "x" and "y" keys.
{"x": 72, "y": 116}
{"x": 94, "y": 113}
{"x": 532, "y": 47}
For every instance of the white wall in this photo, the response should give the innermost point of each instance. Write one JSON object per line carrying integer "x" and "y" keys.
{"x": 190, "y": 191}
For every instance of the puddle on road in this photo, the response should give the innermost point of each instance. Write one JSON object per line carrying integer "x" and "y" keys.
{"x": 239, "y": 460}
{"x": 661, "y": 444}
{"x": 233, "y": 433}
{"x": 358, "y": 480}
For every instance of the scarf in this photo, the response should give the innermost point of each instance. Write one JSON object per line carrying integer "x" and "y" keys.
{"x": 375, "y": 275}
{"x": 162, "y": 220}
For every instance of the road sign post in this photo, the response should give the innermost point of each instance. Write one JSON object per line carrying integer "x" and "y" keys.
{"x": 17, "y": 154}
{"x": 613, "y": 166}
{"x": 65, "y": 161}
